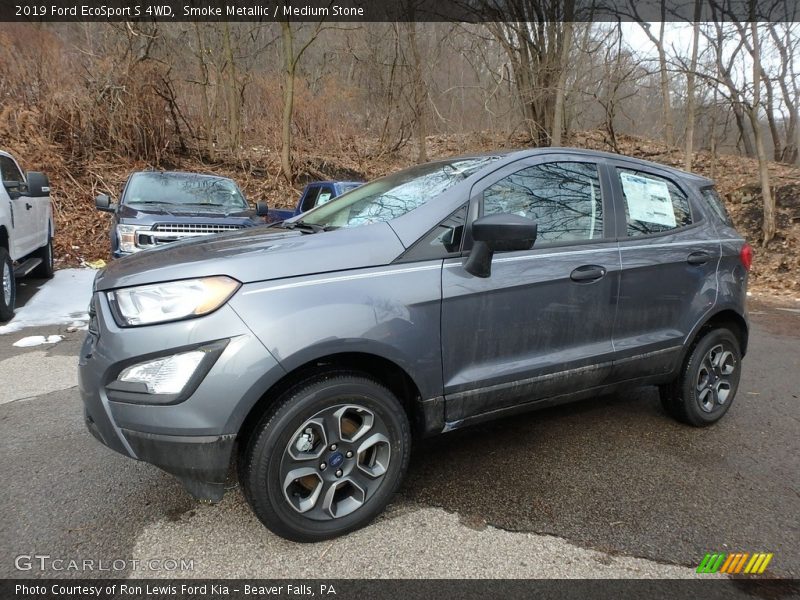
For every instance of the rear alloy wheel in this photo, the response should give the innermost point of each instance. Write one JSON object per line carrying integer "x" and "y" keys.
{"x": 705, "y": 390}
{"x": 7, "y": 286}
{"x": 327, "y": 459}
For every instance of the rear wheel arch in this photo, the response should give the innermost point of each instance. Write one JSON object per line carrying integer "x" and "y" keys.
{"x": 727, "y": 319}
{"x": 4, "y": 241}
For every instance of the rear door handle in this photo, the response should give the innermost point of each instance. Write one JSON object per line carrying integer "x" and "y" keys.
{"x": 28, "y": 206}
{"x": 587, "y": 273}
{"x": 698, "y": 258}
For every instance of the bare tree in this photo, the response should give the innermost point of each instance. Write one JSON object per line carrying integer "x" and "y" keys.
{"x": 663, "y": 68}
{"x": 690, "y": 89}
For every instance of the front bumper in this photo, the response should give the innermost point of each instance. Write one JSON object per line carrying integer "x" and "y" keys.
{"x": 192, "y": 439}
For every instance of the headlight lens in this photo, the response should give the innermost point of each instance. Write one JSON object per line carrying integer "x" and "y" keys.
{"x": 164, "y": 375}
{"x": 127, "y": 237}
{"x": 171, "y": 301}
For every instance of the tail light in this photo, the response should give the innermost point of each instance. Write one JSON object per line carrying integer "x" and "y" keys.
{"x": 746, "y": 256}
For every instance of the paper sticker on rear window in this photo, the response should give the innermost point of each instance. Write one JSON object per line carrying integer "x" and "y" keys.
{"x": 648, "y": 200}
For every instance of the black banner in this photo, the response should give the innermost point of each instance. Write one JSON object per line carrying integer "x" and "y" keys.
{"x": 474, "y": 11}
{"x": 404, "y": 589}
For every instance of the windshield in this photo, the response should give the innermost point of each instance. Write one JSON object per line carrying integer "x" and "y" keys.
{"x": 395, "y": 195}
{"x": 182, "y": 189}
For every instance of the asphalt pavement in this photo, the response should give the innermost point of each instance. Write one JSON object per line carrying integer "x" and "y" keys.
{"x": 608, "y": 487}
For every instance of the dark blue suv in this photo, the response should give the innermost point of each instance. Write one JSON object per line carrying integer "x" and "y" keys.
{"x": 159, "y": 207}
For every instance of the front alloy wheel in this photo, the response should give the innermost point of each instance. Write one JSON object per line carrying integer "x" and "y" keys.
{"x": 335, "y": 462}
{"x": 327, "y": 458}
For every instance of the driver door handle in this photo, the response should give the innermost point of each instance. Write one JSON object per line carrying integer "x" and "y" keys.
{"x": 587, "y": 273}
{"x": 28, "y": 206}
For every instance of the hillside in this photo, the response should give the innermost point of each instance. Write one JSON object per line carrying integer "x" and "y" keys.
{"x": 82, "y": 232}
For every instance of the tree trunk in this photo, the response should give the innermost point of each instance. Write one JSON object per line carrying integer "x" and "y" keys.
{"x": 669, "y": 127}
{"x": 420, "y": 95}
{"x": 690, "y": 81}
{"x": 558, "y": 114}
{"x": 768, "y": 224}
{"x": 205, "y": 111}
{"x": 231, "y": 89}
{"x": 288, "y": 100}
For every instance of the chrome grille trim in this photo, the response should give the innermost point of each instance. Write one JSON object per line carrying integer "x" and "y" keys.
{"x": 195, "y": 228}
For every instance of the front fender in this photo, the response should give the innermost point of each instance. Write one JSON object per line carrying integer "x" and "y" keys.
{"x": 392, "y": 312}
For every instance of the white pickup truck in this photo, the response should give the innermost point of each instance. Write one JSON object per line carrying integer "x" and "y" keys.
{"x": 26, "y": 229}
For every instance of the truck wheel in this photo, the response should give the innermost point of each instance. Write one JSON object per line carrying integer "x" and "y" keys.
{"x": 705, "y": 389}
{"x": 44, "y": 270}
{"x": 7, "y": 286}
{"x": 327, "y": 458}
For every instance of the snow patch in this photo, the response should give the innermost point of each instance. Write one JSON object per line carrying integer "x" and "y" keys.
{"x": 37, "y": 340}
{"x": 64, "y": 300}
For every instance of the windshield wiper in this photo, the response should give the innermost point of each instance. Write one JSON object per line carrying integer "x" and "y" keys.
{"x": 308, "y": 227}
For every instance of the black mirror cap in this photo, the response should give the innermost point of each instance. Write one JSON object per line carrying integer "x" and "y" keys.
{"x": 505, "y": 232}
{"x": 38, "y": 184}
{"x": 262, "y": 208}
{"x": 497, "y": 233}
{"x": 102, "y": 202}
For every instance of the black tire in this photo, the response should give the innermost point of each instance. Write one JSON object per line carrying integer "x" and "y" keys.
{"x": 362, "y": 477}
{"x": 45, "y": 269}
{"x": 8, "y": 287}
{"x": 707, "y": 385}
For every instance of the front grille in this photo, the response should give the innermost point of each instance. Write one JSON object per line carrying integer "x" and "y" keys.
{"x": 164, "y": 233}
{"x": 195, "y": 228}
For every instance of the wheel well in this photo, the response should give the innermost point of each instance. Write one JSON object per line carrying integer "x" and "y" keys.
{"x": 381, "y": 369}
{"x": 4, "y": 238}
{"x": 728, "y": 319}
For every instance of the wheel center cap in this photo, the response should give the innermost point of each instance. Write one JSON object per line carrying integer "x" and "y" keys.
{"x": 336, "y": 459}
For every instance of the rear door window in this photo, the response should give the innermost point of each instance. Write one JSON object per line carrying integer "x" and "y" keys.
{"x": 653, "y": 204}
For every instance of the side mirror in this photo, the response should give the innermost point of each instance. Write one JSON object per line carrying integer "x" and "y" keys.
{"x": 262, "y": 208}
{"x": 38, "y": 184}
{"x": 103, "y": 202}
{"x": 497, "y": 233}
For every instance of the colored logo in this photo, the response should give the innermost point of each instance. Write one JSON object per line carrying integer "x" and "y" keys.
{"x": 735, "y": 563}
{"x": 336, "y": 459}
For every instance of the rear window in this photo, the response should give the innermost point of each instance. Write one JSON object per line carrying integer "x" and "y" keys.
{"x": 717, "y": 205}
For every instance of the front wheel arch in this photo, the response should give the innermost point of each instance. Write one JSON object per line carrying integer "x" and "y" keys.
{"x": 384, "y": 371}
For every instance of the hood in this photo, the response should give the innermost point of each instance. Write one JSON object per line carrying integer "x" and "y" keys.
{"x": 256, "y": 254}
{"x": 176, "y": 213}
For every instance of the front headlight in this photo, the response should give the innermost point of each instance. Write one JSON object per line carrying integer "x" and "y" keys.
{"x": 126, "y": 234}
{"x": 171, "y": 301}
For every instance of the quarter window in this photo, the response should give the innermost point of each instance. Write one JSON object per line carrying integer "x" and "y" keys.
{"x": 562, "y": 197}
{"x": 653, "y": 204}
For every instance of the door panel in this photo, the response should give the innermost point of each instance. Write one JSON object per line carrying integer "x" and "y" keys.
{"x": 24, "y": 237}
{"x": 668, "y": 281}
{"x": 541, "y": 324}
{"x": 527, "y": 332}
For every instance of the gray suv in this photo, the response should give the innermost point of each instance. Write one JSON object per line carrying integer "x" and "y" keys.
{"x": 452, "y": 292}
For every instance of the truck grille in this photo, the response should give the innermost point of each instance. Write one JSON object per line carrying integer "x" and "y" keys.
{"x": 164, "y": 233}
{"x": 195, "y": 228}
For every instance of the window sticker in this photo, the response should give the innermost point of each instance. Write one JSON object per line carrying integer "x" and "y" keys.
{"x": 648, "y": 200}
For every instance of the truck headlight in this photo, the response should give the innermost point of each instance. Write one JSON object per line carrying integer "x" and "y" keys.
{"x": 170, "y": 301}
{"x": 126, "y": 234}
